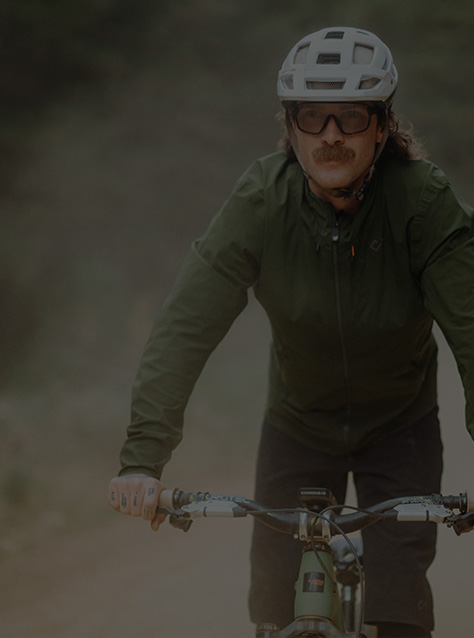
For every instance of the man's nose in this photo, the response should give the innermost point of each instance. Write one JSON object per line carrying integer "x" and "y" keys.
{"x": 332, "y": 134}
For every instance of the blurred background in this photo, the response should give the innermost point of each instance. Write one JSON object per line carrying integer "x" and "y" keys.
{"x": 124, "y": 125}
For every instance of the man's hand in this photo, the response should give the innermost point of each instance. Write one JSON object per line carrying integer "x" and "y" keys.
{"x": 137, "y": 495}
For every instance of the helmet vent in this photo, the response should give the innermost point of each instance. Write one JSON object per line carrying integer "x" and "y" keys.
{"x": 335, "y": 85}
{"x": 287, "y": 81}
{"x": 329, "y": 58}
{"x": 362, "y": 54}
{"x": 368, "y": 83}
{"x": 334, "y": 35}
{"x": 301, "y": 54}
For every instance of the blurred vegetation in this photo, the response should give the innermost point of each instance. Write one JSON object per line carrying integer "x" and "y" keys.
{"x": 124, "y": 125}
{"x": 48, "y": 45}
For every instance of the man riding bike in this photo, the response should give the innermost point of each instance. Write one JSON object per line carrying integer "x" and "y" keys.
{"x": 353, "y": 244}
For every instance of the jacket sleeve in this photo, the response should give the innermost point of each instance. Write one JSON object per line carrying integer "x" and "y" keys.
{"x": 209, "y": 293}
{"x": 445, "y": 231}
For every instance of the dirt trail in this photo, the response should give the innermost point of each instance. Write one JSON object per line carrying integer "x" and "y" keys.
{"x": 107, "y": 583}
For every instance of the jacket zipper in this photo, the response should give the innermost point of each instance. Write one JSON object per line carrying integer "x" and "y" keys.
{"x": 337, "y": 289}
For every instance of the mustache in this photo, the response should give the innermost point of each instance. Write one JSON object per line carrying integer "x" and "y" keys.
{"x": 333, "y": 154}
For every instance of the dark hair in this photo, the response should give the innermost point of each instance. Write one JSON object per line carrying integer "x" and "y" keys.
{"x": 401, "y": 143}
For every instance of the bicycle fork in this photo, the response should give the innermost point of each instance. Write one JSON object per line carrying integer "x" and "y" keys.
{"x": 348, "y": 602}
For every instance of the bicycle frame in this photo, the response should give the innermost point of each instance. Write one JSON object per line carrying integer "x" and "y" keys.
{"x": 316, "y": 587}
{"x": 320, "y": 609}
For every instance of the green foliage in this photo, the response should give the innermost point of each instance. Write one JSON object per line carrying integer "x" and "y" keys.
{"x": 48, "y": 45}
{"x": 16, "y": 487}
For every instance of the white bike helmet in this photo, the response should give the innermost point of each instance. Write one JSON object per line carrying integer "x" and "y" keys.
{"x": 338, "y": 64}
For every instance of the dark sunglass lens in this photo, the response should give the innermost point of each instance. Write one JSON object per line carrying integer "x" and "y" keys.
{"x": 354, "y": 120}
{"x": 310, "y": 119}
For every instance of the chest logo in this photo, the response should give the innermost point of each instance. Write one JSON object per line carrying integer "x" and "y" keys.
{"x": 376, "y": 245}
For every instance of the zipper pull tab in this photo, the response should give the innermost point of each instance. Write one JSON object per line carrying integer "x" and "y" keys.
{"x": 335, "y": 231}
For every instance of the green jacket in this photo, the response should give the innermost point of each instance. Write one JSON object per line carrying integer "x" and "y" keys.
{"x": 350, "y": 302}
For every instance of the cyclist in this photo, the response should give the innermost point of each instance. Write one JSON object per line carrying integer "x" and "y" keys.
{"x": 353, "y": 244}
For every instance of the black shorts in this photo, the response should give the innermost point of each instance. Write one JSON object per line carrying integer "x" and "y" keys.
{"x": 396, "y": 555}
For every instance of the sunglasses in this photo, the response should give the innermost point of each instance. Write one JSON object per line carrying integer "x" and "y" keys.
{"x": 350, "y": 117}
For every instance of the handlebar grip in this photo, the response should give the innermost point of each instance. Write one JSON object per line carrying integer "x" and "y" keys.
{"x": 166, "y": 499}
{"x": 463, "y": 501}
{"x": 470, "y": 500}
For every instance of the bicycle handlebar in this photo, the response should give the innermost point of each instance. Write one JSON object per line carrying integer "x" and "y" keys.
{"x": 304, "y": 523}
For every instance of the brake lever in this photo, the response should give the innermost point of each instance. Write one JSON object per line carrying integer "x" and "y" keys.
{"x": 463, "y": 523}
{"x": 177, "y": 519}
{"x": 180, "y": 522}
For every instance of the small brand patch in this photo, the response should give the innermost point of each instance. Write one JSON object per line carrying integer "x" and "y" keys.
{"x": 376, "y": 245}
{"x": 313, "y": 581}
